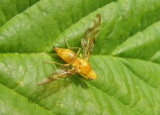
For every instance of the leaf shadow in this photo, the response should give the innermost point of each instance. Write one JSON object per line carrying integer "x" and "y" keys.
{"x": 79, "y": 81}
{"x": 51, "y": 88}
{"x": 44, "y": 91}
{"x": 54, "y": 87}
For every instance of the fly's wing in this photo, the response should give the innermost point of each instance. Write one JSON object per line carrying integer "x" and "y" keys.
{"x": 59, "y": 73}
{"x": 88, "y": 39}
{"x": 48, "y": 88}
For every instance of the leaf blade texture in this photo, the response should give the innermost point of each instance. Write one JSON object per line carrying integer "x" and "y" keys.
{"x": 126, "y": 57}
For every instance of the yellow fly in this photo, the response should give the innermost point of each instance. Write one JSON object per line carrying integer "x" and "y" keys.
{"x": 77, "y": 64}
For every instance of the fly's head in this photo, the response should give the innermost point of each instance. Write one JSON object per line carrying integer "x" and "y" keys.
{"x": 91, "y": 75}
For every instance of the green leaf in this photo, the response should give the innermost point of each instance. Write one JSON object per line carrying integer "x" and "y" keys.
{"x": 8, "y": 8}
{"x": 126, "y": 57}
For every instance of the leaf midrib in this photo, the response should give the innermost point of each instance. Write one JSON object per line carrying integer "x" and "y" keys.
{"x": 90, "y": 83}
{"x": 93, "y": 55}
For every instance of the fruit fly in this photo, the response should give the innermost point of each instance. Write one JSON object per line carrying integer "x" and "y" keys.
{"x": 77, "y": 64}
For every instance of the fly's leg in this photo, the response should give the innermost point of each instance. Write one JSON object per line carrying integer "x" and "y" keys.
{"x": 68, "y": 81}
{"x": 79, "y": 49}
{"x": 66, "y": 43}
{"x": 59, "y": 75}
{"x": 49, "y": 79}
{"x": 56, "y": 63}
{"x": 82, "y": 82}
{"x": 84, "y": 47}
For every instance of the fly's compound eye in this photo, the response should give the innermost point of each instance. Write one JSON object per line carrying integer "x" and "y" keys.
{"x": 90, "y": 78}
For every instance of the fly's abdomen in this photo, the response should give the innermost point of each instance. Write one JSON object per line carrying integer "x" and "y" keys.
{"x": 66, "y": 54}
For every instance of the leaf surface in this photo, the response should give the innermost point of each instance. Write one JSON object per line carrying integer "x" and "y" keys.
{"x": 126, "y": 57}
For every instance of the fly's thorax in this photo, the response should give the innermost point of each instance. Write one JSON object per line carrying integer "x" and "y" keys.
{"x": 82, "y": 65}
{"x": 66, "y": 54}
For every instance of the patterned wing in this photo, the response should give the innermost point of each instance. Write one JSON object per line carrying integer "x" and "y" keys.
{"x": 88, "y": 39}
{"x": 59, "y": 73}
